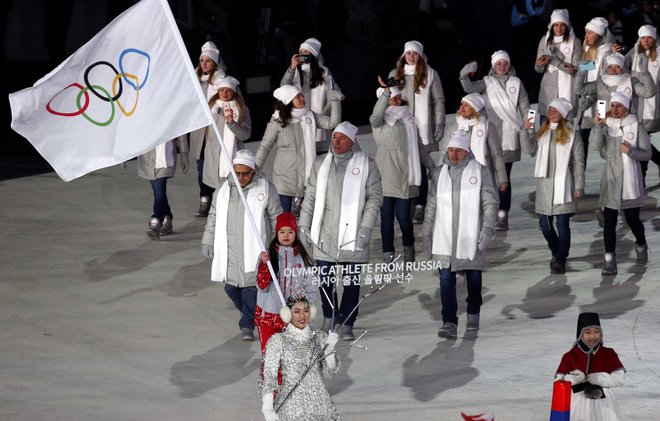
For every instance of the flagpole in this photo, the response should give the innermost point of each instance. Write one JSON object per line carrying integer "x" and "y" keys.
{"x": 225, "y": 153}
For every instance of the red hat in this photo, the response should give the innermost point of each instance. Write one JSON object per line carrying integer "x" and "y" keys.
{"x": 286, "y": 219}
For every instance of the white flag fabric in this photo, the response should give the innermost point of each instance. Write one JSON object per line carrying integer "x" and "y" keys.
{"x": 129, "y": 89}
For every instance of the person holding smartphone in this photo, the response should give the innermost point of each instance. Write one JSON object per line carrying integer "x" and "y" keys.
{"x": 308, "y": 73}
{"x": 622, "y": 142}
{"x": 557, "y": 58}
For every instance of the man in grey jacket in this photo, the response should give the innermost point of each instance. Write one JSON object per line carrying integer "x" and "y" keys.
{"x": 230, "y": 241}
{"x": 342, "y": 201}
{"x": 458, "y": 225}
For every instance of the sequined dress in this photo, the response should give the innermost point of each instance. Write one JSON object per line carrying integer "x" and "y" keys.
{"x": 293, "y": 350}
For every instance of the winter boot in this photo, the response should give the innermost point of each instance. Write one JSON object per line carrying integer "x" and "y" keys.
{"x": 327, "y": 324}
{"x": 642, "y": 254}
{"x": 408, "y": 253}
{"x": 347, "y": 333}
{"x": 502, "y": 223}
{"x": 166, "y": 228}
{"x": 472, "y": 322}
{"x": 204, "y": 206}
{"x": 153, "y": 231}
{"x": 388, "y": 257}
{"x": 609, "y": 268}
{"x": 448, "y": 330}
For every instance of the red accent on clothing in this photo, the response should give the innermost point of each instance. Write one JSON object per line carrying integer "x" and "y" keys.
{"x": 604, "y": 360}
{"x": 268, "y": 324}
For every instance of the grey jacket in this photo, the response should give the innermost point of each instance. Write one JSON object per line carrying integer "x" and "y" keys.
{"x": 651, "y": 125}
{"x": 479, "y": 86}
{"x": 330, "y": 230}
{"x": 289, "y": 166}
{"x": 493, "y": 151}
{"x": 392, "y": 153}
{"x": 545, "y": 186}
{"x": 488, "y": 214}
{"x": 197, "y": 137}
{"x": 549, "y": 89}
{"x": 611, "y": 182}
{"x": 146, "y": 163}
{"x": 236, "y": 274}
{"x": 213, "y": 151}
{"x": 436, "y": 104}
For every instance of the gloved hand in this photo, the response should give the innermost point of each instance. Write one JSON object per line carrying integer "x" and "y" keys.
{"x": 185, "y": 163}
{"x": 305, "y": 234}
{"x": 484, "y": 238}
{"x": 267, "y": 407}
{"x": 331, "y": 341}
{"x": 471, "y": 67}
{"x": 363, "y": 238}
{"x": 207, "y": 251}
{"x": 335, "y": 95}
{"x": 575, "y": 377}
{"x": 438, "y": 133}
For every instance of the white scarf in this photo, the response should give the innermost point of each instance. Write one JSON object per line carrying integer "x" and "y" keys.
{"x": 422, "y": 104}
{"x": 305, "y": 117}
{"x": 353, "y": 193}
{"x": 392, "y": 115}
{"x": 592, "y": 75}
{"x": 468, "y": 219}
{"x": 564, "y": 79}
{"x": 257, "y": 199}
{"x": 211, "y": 89}
{"x": 627, "y": 128}
{"x": 165, "y": 154}
{"x": 228, "y": 136}
{"x": 653, "y": 67}
{"x": 505, "y": 105}
{"x": 562, "y": 183}
{"x": 478, "y": 130}
{"x": 622, "y": 83}
{"x": 317, "y": 99}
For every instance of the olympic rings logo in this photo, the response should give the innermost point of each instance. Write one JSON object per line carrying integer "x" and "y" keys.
{"x": 100, "y": 92}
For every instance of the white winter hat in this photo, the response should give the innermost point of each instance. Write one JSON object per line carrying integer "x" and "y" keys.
{"x": 245, "y": 157}
{"x": 346, "y": 128}
{"x": 562, "y": 105}
{"x": 210, "y": 50}
{"x": 616, "y": 59}
{"x": 459, "y": 139}
{"x": 415, "y": 46}
{"x": 312, "y": 45}
{"x": 621, "y": 98}
{"x": 597, "y": 25}
{"x": 647, "y": 31}
{"x": 475, "y": 100}
{"x": 559, "y": 16}
{"x": 228, "y": 82}
{"x": 394, "y": 91}
{"x": 286, "y": 93}
{"x": 499, "y": 55}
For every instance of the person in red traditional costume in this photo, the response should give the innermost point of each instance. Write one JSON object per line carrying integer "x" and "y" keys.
{"x": 592, "y": 369}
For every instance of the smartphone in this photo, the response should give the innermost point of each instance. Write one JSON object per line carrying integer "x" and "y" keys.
{"x": 600, "y": 108}
{"x": 531, "y": 114}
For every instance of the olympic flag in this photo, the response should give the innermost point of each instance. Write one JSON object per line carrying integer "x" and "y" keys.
{"x": 129, "y": 89}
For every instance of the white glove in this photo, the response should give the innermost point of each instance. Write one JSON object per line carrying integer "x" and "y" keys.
{"x": 363, "y": 238}
{"x": 333, "y": 337}
{"x": 575, "y": 377}
{"x": 207, "y": 251}
{"x": 267, "y": 407}
{"x": 471, "y": 67}
{"x": 484, "y": 238}
{"x": 185, "y": 163}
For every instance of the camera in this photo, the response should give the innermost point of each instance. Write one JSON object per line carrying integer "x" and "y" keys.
{"x": 393, "y": 82}
{"x": 304, "y": 58}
